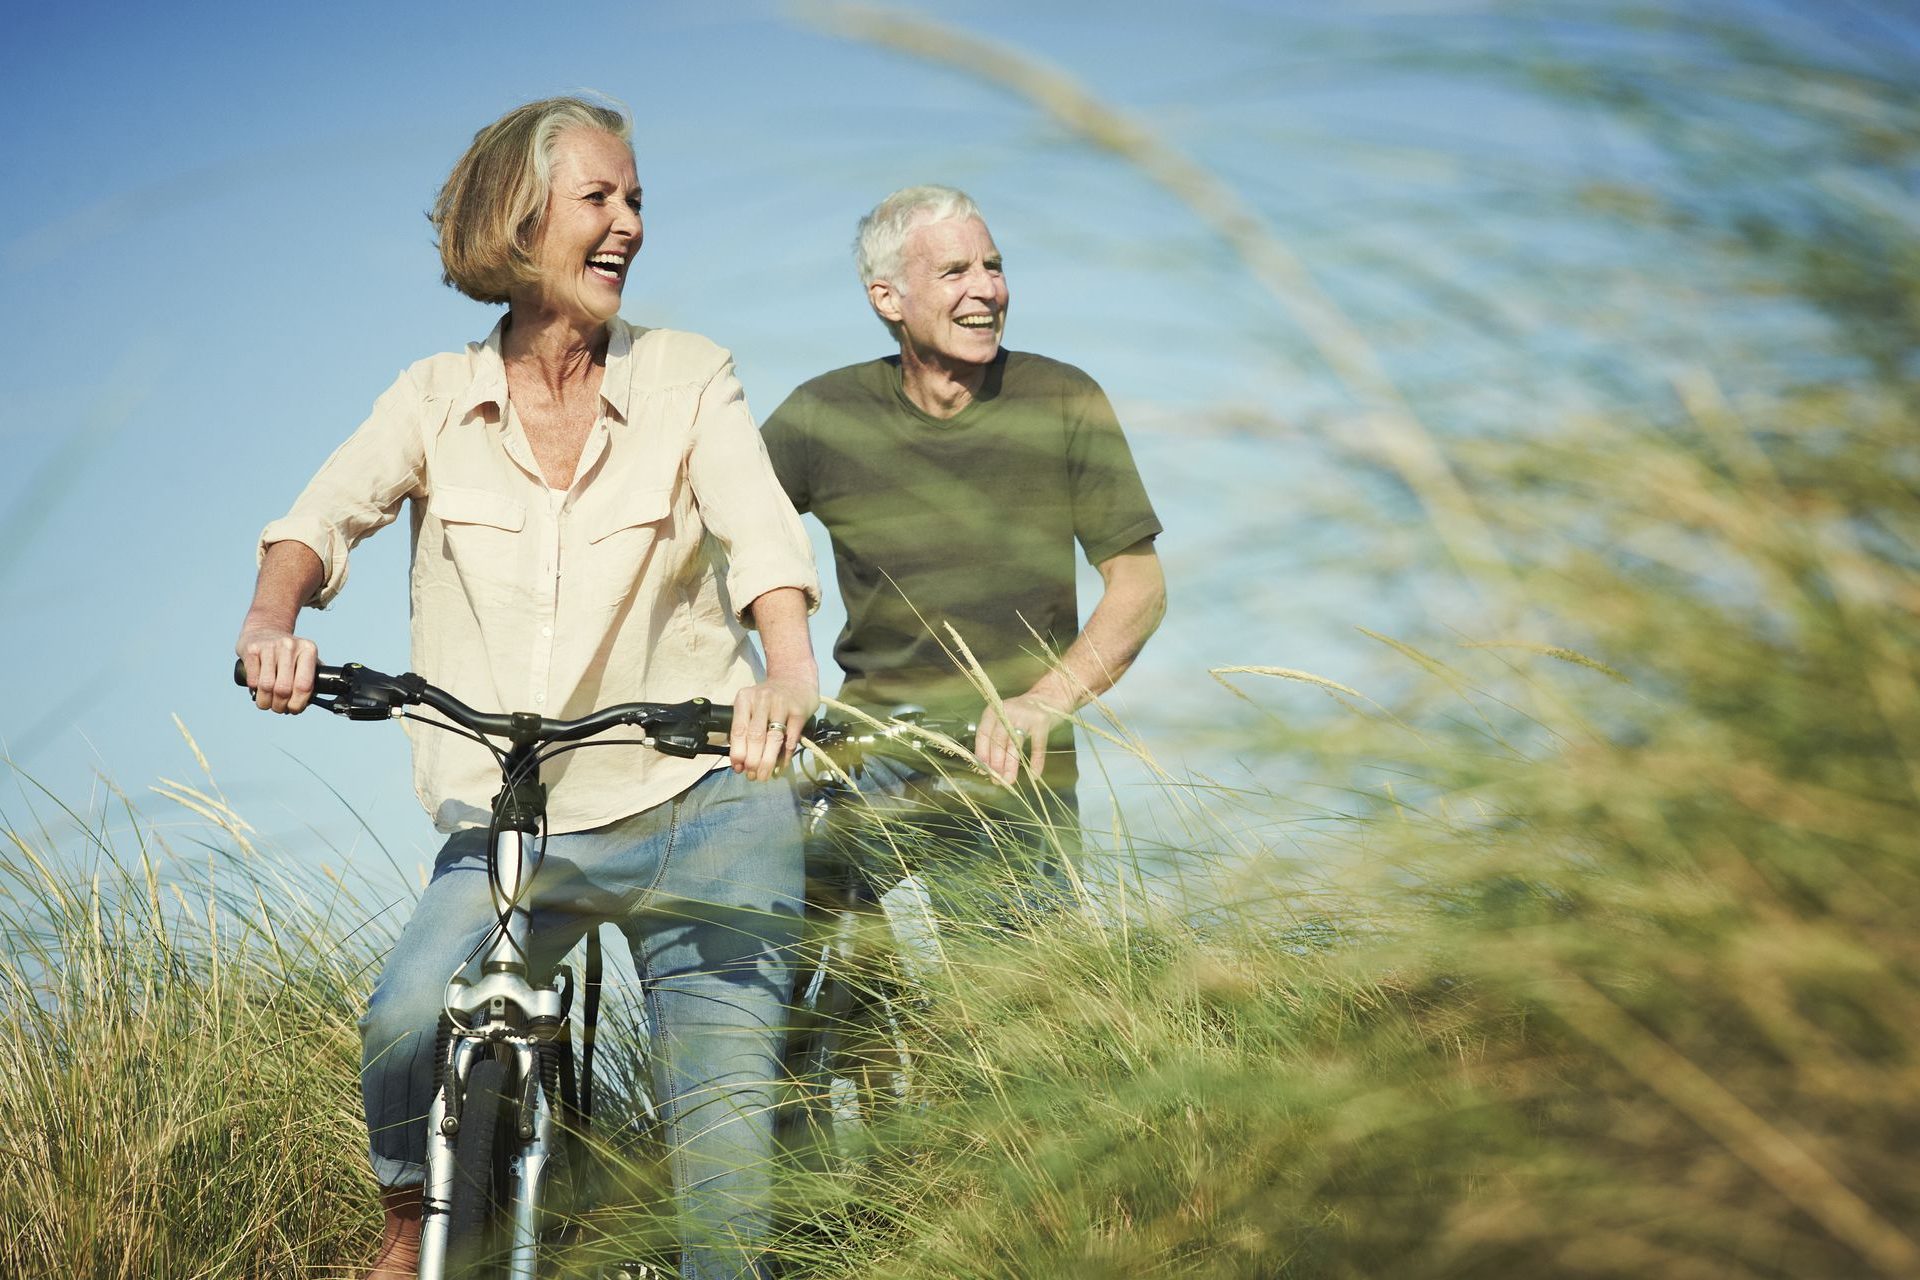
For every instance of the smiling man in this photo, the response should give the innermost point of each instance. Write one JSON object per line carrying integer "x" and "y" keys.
{"x": 955, "y": 479}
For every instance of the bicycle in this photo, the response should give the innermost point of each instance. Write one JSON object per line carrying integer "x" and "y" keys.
{"x": 508, "y": 1110}
{"x": 511, "y": 1105}
{"x": 849, "y": 1055}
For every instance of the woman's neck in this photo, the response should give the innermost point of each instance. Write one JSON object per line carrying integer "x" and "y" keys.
{"x": 554, "y": 351}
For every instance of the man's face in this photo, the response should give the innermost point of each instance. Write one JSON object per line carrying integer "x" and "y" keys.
{"x": 951, "y": 299}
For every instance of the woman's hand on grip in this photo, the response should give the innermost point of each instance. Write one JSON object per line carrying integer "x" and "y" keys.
{"x": 768, "y": 719}
{"x": 280, "y": 667}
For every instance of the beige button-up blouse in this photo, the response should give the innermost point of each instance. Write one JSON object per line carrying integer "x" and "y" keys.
{"x": 527, "y": 598}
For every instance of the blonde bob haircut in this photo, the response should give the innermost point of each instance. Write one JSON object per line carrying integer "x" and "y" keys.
{"x": 488, "y": 213}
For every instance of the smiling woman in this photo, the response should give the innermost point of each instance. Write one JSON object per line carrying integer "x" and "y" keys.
{"x": 497, "y": 197}
{"x": 570, "y": 446}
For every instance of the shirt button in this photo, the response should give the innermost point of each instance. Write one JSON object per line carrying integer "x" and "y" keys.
{"x": 546, "y": 631}
{"x": 539, "y": 697}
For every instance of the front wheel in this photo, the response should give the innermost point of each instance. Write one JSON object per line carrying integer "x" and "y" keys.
{"x": 478, "y": 1225}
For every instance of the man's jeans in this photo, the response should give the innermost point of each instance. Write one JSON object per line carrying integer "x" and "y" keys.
{"x": 707, "y": 890}
{"x": 975, "y": 847}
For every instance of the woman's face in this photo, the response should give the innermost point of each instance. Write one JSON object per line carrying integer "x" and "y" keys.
{"x": 591, "y": 229}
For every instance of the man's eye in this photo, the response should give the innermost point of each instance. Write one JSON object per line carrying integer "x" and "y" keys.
{"x": 633, "y": 203}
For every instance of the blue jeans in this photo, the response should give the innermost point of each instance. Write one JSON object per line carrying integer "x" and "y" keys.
{"x": 973, "y": 845}
{"x": 706, "y": 888}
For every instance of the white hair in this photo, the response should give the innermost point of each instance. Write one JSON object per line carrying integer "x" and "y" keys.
{"x": 883, "y": 232}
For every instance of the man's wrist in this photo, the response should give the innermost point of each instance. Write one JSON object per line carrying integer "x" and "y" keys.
{"x": 1051, "y": 696}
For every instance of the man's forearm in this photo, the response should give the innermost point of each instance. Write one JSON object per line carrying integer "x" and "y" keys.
{"x": 1131, "y": 605}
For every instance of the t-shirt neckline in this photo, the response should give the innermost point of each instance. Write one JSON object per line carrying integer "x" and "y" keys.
{"x": 990, "y": 388}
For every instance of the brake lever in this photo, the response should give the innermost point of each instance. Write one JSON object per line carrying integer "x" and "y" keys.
{"x": 686, "y": 736}
{"x": 369, "y": 695}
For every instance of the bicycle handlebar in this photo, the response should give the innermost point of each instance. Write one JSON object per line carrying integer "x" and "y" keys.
{"x": 361, "y": 693}
{"x": 674, "y": 728}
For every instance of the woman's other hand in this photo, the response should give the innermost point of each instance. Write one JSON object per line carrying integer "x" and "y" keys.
{"x": 768, "y": 719}
{"x": 280, "y": 664}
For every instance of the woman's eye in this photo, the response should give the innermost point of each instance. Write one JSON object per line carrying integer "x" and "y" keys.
{"x": 595, "y": 197}
{"x": 633, "y": 203}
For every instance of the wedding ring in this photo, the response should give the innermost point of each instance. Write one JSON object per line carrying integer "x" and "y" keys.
{"x": 776, "y": 726}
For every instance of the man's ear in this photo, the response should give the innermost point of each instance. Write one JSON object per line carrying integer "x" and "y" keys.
{"x": 885, "y": 300}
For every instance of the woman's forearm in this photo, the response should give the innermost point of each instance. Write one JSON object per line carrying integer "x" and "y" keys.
{"x": 289, "y": 575}
{"x": 279, "y": 664}
{"x": 780, "y": 615}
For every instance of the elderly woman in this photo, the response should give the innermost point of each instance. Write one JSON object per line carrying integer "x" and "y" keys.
{"x": 564, "y": 476}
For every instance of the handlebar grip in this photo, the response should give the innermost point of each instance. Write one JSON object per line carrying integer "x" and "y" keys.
{"x": 325, "y": 679}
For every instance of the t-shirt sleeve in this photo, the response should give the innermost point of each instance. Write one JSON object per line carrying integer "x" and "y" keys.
{"x": 785, "y": 436}
{"x": 1110, "y": 507}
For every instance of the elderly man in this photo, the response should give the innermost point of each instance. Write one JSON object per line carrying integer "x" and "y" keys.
{"x": 955, "y": 478}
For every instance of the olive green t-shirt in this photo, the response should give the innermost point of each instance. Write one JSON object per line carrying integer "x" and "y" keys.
{"x": 968, "y": 521}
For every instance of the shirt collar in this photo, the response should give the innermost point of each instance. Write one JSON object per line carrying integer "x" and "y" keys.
{"x": 489, "y": 384}
{"x": 616, "y": 384}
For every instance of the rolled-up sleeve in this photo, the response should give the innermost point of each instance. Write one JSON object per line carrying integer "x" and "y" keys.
{"x": 359, "y": 489}
{"x": 741, "y": 501}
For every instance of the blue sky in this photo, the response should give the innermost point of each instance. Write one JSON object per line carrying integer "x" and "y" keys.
{"x": 213, "y": 257}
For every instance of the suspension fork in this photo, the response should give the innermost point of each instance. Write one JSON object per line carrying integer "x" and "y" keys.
{"x": 533, "y": 1139}
{"x": 437, "y": 1193}
{"x": 502, "y": 1005}
{"x": 528, "y": 1168}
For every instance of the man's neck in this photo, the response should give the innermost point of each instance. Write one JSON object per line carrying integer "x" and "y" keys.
{"x": 940, "y": 389}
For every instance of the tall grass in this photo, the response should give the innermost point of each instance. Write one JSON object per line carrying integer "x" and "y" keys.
{"x": 180, "y": 1095}
{"x": 1619, "y": 979}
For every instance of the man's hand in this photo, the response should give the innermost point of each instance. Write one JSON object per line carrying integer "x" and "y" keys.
{"x": 1018, "y": 726}
{"x": 280, "y": 666}
{"x": 1131, "y": 605}
{"x": 767, "y": 722}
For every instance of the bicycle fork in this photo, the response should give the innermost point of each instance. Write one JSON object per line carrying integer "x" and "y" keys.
{"x": 533, "y": 1139}
{"x": 502, "y": 1008}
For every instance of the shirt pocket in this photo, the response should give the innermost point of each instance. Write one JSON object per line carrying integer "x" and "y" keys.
{"x": 483, "y": 534}
{"x": 621, "y": 538}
